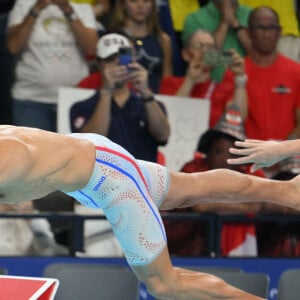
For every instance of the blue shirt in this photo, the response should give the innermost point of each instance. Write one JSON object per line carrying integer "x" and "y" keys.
{"x": 128, "y": 126}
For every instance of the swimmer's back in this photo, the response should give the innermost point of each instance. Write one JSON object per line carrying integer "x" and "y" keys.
{"x": 44, "y": 160}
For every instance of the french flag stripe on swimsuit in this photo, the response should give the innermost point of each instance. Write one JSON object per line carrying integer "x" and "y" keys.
{"x": 132, "y": 178}
{"x": 126, "y": 158}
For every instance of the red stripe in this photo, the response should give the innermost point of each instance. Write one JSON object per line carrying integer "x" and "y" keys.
{"x": 126, "y": 158}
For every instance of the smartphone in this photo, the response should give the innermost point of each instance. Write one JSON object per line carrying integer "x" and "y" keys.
{"x": 218, "y": 58}
{"x": 125, "y": 56}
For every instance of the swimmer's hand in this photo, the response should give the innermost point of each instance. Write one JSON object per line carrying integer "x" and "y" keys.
{"x": 261, "y": 154}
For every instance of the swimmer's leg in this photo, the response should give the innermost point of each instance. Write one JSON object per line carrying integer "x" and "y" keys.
{"x": 164, "y": 281}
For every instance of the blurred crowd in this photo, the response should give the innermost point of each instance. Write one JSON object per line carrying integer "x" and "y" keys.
{"x": 241, "y": 55}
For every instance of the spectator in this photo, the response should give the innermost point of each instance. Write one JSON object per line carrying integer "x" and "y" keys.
{"x": 153, "y": 46}
{"x": 51, "y": 41}
{"x": 212, "y": 153}
{"x": 289, "y": 42}
{"x": 273, "y": 82}
{"x": 26, "y": 236}
{"x": 94, "y": 80}
{"x": 129, "y": 116}
{"x": 198, "y": 83}
{"x": 227, "y": 20}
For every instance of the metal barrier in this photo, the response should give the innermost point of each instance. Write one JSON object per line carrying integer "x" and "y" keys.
{"x": 214, "y": 222}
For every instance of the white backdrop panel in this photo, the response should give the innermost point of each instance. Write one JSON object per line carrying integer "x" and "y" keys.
{"x": 188, "y": 120}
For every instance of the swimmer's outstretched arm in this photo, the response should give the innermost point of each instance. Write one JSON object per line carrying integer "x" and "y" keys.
{"x": 263, "y": 153}
{"x": 223, "y": 185}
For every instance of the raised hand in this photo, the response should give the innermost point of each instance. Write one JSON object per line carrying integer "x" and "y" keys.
{"x": 228, "y": 11}
{"x": 198, "y": 71}
{"x": 114, "y": 75}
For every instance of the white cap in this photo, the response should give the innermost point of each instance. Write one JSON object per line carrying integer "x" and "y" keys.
{"x": 110, "y": 44}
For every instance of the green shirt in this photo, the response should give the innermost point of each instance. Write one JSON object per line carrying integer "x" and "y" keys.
{"x": 209, "y": 18}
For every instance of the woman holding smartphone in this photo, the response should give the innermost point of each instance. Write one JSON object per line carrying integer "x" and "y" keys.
{"x": 138, "y": 18}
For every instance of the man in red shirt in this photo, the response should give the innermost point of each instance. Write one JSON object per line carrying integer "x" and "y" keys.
{"x": 273, "y": 85}
{"x": 197, "y": 83}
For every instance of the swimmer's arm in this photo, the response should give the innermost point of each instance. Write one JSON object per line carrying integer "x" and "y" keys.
{"x": 16, "y": 161}
{"x": 226, "y": 186}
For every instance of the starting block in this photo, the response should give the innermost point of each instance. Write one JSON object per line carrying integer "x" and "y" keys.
{"x": 27, "y": 288}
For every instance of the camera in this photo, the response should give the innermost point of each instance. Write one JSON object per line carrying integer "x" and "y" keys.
{"x": 217, "y": 58}
{"x": 125, "y": 56}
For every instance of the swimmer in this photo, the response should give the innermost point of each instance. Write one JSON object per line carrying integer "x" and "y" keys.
{"x": 101, "y": 174}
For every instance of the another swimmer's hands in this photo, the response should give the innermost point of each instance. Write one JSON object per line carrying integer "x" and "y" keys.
{"x": 261, "y": 153}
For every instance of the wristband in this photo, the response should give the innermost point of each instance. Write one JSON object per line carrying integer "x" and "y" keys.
{"x": 33, "y": 12}
{"x": 148, "y": 99}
